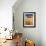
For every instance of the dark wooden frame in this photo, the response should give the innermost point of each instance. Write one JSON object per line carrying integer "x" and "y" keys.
{"x": 34, "y": 19}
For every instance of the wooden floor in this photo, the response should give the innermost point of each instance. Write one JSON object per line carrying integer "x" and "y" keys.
{"x": 9, "y": 43}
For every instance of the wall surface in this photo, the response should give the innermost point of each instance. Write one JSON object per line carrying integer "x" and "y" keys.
{"x": 29, "y": 33}
{"x": 6, "y": 13}
{"x": 43, "y": 22}
{"x": 6, "y": 16}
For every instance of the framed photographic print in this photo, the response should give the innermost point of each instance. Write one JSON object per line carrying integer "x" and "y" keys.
{"x": 29, "y": 19}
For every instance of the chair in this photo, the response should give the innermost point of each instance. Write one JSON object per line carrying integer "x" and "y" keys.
{"x": 18, "y": 39}
{"x": 29, "y": 43}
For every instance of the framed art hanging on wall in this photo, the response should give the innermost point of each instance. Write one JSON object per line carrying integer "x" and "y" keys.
{"x": 29, "y": 19}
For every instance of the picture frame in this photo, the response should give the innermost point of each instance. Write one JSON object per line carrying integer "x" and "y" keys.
{"x": 29, "y": 19}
